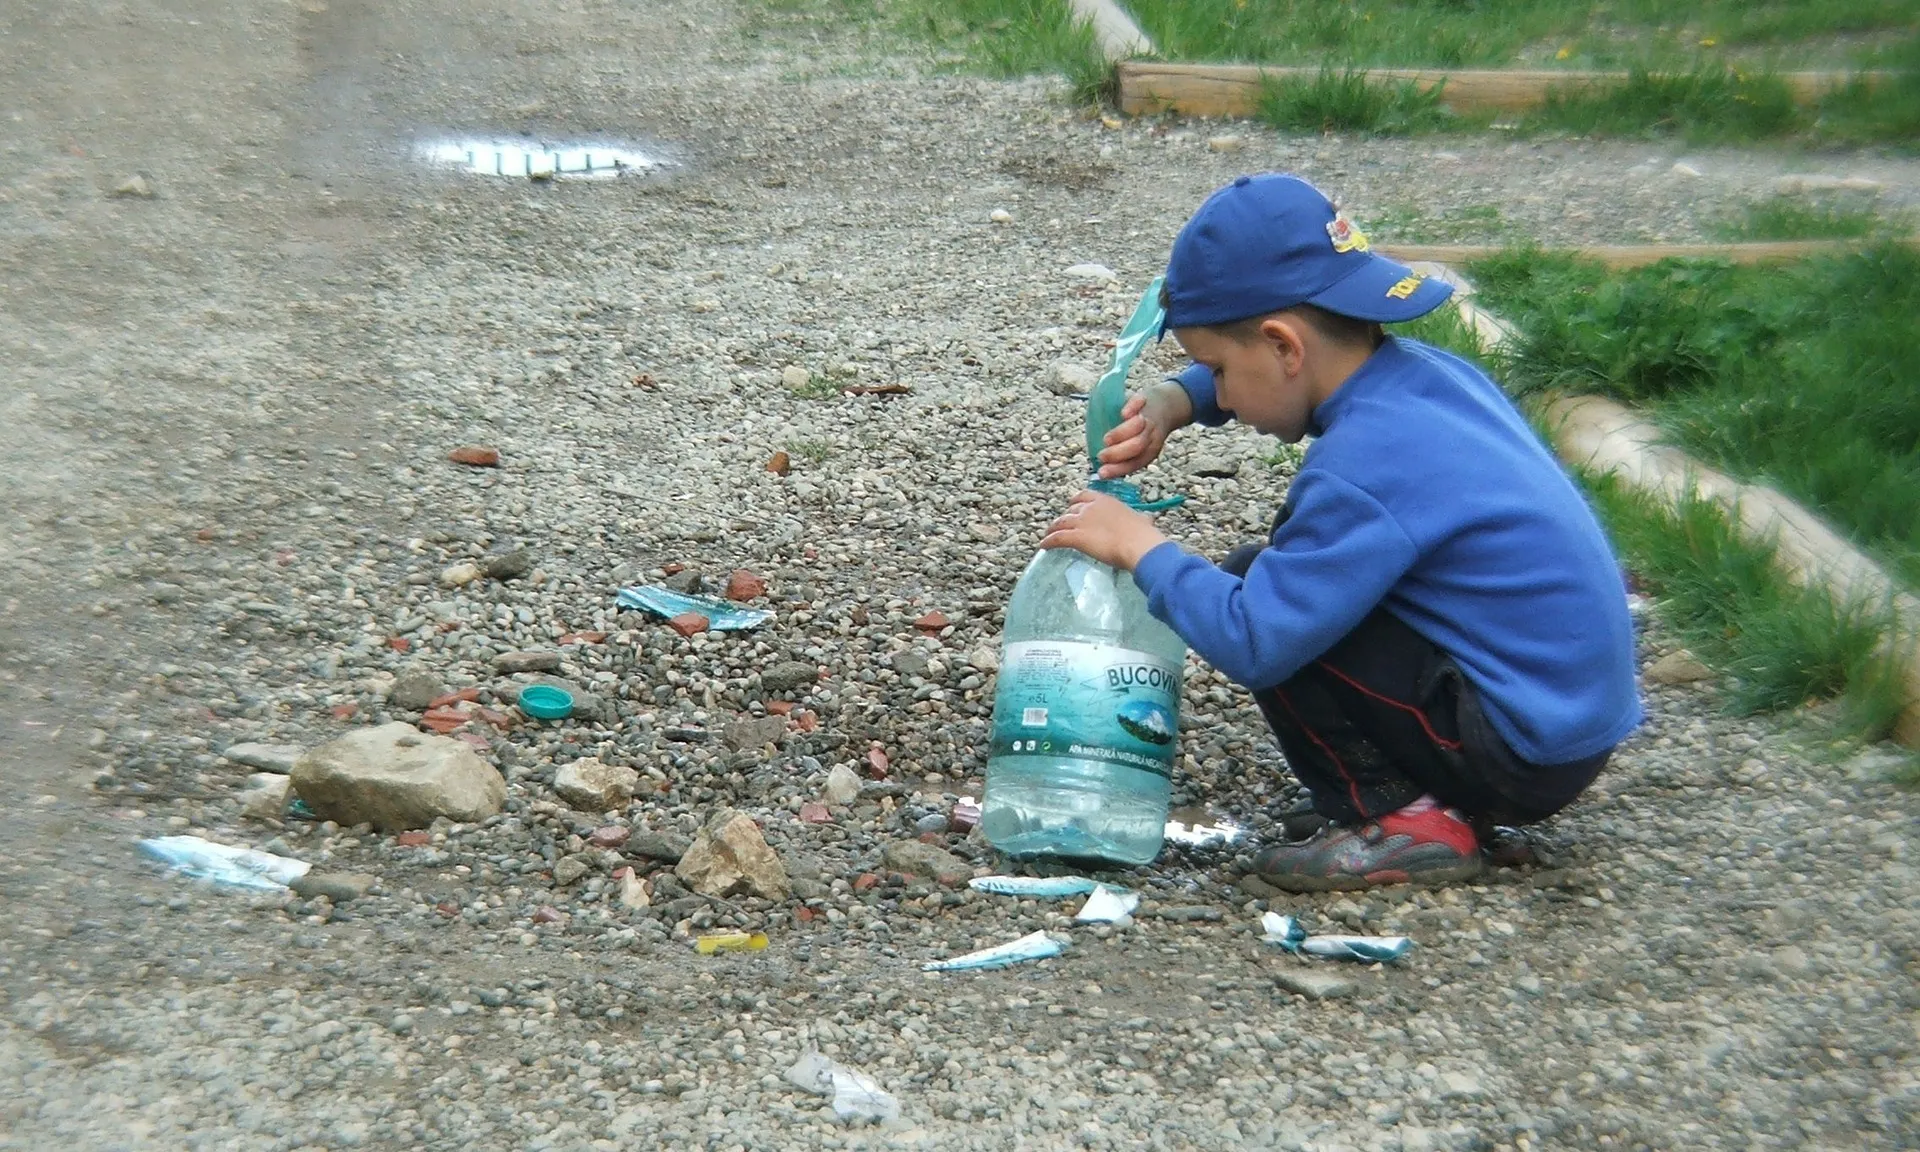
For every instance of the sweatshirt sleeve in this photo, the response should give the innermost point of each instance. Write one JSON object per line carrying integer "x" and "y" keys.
{"x": 1331, "y": 562}
{"x": 1197, "y": 380}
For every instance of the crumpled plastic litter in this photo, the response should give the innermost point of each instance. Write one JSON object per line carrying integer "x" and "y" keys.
{"x": 1108, "y": 906}
{"x": 1032, "y": 946}
{"x": 856, "y": 1096}
{"x": 225, "y": 864}
{"x": 1285, "y": 932}
{"x": 722, "y": 615}
{"x": 730, "y": 942}
{"x": 1109, "y": 395}
{"x": 1038, "y": 887}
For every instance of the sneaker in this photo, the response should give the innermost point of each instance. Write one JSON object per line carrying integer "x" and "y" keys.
{"x": 1420, "y": 844}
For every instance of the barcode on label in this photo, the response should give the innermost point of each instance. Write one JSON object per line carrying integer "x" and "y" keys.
{"x": 1033, "y": 717}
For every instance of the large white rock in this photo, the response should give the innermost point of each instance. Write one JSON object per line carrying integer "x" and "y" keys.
{"x": 592, "y": 786}
{"x": 729, "y": 856}
{"x": 396, "y": 777}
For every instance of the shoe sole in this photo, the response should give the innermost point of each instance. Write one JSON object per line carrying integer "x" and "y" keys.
{"x": 1424, "y": 878}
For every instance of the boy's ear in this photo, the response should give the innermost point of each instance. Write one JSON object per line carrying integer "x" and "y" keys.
{"x": 1286, "y": 334}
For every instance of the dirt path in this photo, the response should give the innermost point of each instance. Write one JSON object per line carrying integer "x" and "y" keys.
{"x": 227, "y": 410}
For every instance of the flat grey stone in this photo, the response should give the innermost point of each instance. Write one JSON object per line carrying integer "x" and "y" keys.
{"x": 1313, "y": 984}
{"x": 338, "y": 887}
{"x": 278, "y": 758}
{"x": 508, "y": 663}
{"x": 787, "y": 676}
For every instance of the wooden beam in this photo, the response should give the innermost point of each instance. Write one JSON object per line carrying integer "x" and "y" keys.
{"x": 1233, "y": 90}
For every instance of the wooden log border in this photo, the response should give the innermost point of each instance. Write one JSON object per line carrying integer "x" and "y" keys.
{"x": 1233, "y": 90}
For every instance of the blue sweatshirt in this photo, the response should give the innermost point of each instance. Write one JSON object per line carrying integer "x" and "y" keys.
{"x": 1425, "y": 491}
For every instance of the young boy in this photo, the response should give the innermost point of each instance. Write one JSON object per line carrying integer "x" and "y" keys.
{"x": 1436, "y": 629}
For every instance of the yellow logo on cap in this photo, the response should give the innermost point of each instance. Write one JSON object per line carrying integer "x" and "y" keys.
{"x": 1345, "y": 236}
{"x": 1405, "y": 287}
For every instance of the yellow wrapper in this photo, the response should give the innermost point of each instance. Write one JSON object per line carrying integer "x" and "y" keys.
{"x": 730, "y": 942}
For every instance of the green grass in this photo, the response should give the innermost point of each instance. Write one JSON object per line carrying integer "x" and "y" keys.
{"x": 1801, "y": 376}
{"x": 1347, "y": 102}
{"x": 1413, "y": 223}
{"x": 1784, "y": 645}
{"x": 812, "y": 451}
{"x": 1534, "y": 33}
{"x": 1716, "y": 103}
{"x": 1708, "y": 105}
{"x": 1703, "y": 70}
{"x": 1792, "y": 218}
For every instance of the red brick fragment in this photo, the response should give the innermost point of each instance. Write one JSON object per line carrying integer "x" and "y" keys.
{"x": 804, "y": 913}
{"x": 399, "y": 643}
{"x": 609, "y": 836}
{"x": 414, "y": 839}
{"x": 814, "y": 812}
{"x": 447, "y": 908}
{"x": 673, "y": 569}
{"x": 780, "y": 707}
{"x": 584, "y": 638}
{"x": 475, "y": 456}
{"x": 689, "y": 623}
{"x": 865, "y": 881}
{"x": 344, "y": 711}
{"x": 452, "y": 698}
{"x": 964, "y": 818}
{"x": 805, "y": 721}
{"x": 205, "y": 535}
{"x": 877, "y": 760}
{"x": 474, "y": 740}
{"x": 931, "y": 622}
{"x": 780, "y": 464}
{"x": 744, "y": 585}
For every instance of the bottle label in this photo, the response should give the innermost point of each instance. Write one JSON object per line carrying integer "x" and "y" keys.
{"x": 1084, "y": 701}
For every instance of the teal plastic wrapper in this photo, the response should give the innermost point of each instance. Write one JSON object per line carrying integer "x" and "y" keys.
{"x": 1109, "y": 396}
{"x": 722, "y": 615}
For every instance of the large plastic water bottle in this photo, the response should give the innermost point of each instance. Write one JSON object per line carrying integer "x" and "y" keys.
{"x": 1086, "y": 716}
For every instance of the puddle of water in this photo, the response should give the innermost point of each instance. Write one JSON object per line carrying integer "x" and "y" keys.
{"x": 537, "y": 161}
{"x": 1199, "y": 827}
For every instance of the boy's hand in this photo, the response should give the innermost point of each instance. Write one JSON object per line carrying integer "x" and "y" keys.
{"x": 1146, "y": 420}
{"x": 1104, "y": 529}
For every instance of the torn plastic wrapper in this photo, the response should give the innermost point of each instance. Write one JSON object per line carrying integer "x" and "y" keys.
{"x": 1032, "y": 946}
{"x": 1109, "y": 396}
{"x": 855, "y": 1094}
{"x": 730, "y": 942}
{"x": 1038, "y": 887}
{"x": 722, "y": 615}
{"x": 1108, "y": 906}
{"x": 225, "y": 864}
{"x": 1286, "y": 933}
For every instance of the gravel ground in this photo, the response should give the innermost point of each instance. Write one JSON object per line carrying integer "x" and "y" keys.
{"x": 230, "y": 518}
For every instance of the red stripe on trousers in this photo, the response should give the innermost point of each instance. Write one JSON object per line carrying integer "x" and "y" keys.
{"x": 1353, "y": 787}
{"x": 1449, "y": 745}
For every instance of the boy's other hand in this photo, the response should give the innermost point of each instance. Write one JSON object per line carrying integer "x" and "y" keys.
{"x": 1146, "y": 420}
{"x": 1104, "y": 529}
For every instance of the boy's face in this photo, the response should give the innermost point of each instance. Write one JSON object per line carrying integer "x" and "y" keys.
{"x": 1257, "y": 375}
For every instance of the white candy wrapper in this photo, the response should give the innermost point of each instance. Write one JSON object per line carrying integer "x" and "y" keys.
{"x": 856, "y": 1096}
{"x": 1285, "y": 933}
{"x": 1038, "y": 887}
{"x": 1032, "y": 946}
{"x": 225, "y": 864}
{"x": 1108, "y": 906}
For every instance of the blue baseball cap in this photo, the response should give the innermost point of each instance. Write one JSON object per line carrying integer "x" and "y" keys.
{"x": 1272, "y": 241}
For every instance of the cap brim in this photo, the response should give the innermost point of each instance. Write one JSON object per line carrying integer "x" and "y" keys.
{"x": 1384, "y": 291}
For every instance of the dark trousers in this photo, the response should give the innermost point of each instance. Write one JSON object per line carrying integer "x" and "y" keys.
{"x": 1384, "y": 716}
